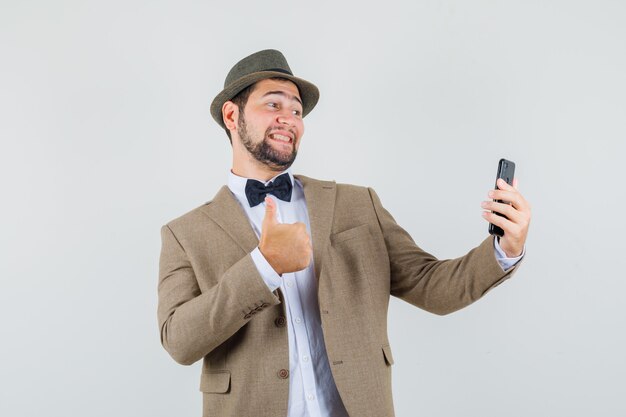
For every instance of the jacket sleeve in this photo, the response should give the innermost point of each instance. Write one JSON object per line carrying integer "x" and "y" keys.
{"x": 192, "y": 323}
{"x": 438, "y": 286}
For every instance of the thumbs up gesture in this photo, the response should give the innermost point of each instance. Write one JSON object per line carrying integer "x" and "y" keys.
{"x": 287, "y": 247}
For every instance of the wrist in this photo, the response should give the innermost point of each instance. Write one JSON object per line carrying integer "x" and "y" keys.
{"x": 508, "y": 251}
{"x": 270, "y": 261}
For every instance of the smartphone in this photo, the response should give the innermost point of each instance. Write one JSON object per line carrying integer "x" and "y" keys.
{"x": 506, "y": 171}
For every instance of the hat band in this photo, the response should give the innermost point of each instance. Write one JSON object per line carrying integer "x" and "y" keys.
{"x": 278, "y": 70}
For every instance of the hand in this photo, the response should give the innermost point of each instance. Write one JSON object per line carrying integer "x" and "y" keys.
{"x": 516, "y": 224}
{"x": 287, "y": 247}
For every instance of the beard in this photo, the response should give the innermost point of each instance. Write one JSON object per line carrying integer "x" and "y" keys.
{"x": 263, "y": 151}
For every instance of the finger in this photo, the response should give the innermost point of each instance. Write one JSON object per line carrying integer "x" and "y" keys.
{"x": 509, "y": 211}
{"x": 499, "y": 221}
{"x": 515, "y": 183}
{"x": 270, "y": 212}
{"x": 503, "y": 185}
{"x": 514, "y": 197}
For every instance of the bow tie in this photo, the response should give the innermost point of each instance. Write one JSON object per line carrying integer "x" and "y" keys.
{"x": 281, "y": 187}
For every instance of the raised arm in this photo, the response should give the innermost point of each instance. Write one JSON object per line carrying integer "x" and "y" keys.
{"x": 438, "y": 286}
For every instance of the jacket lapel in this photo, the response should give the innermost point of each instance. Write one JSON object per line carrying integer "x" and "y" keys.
{"x": 320, "y": 202}
{"x": 225, "y": 210}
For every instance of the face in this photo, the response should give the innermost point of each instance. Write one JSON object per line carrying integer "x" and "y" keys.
{"x": 270, "y": 127}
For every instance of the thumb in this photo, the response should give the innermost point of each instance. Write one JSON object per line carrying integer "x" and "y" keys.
{"x": 270, "y": 213}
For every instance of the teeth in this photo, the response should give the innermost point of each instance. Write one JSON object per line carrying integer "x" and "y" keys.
{"x": 280, "y": 137}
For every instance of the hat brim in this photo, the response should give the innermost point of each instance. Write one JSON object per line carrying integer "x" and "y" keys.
{"x": 309, "y": 93}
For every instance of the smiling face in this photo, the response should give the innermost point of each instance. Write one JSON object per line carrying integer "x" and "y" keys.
{"x": 269, "y": 128}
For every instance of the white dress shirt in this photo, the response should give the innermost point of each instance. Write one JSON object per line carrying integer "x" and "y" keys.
{"x": 312, "y": 389}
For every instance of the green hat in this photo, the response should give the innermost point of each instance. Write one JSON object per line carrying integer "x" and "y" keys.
{"x": 264, "y": 64}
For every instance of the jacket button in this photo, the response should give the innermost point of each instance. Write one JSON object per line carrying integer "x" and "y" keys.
{"x": 283, "y": 374}
{"x": 280, "y": 321}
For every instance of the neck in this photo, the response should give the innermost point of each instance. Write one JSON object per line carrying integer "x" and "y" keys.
{"x": 254, "y": 169}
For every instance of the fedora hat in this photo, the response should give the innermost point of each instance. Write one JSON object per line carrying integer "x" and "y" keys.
{"x": 260, "y": 65}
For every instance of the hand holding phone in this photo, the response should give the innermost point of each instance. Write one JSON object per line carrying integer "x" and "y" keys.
{"x": 506, "y": 171}
{"x": 508, "y": 212}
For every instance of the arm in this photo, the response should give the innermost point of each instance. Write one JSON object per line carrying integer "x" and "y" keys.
{"x": 438, "y": 286}
{"x": 192, "y": 322}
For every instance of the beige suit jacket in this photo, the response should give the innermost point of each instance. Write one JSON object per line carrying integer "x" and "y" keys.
{"x": 214, "y": 305}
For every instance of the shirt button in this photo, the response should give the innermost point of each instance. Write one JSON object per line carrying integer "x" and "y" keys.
{"x": 305, "y": 358}
{"x": 310, "y": 397}
{"x": 298, "y": 320}
{"x": 290, "y": 283}
{"x": 283, "y": 374}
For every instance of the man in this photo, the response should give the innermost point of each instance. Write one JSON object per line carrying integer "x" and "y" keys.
{"x": 281, "y": 283}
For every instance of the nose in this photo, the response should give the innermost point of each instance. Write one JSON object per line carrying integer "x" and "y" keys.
{"x": 286, "y": 117}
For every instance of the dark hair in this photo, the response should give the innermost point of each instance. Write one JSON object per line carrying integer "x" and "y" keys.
{"x": 241, "y": 99}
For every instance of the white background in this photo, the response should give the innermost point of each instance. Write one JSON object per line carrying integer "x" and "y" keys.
{"x": 106, "y": 135}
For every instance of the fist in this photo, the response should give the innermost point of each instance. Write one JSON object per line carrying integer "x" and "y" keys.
{"x": 287, "y": 247}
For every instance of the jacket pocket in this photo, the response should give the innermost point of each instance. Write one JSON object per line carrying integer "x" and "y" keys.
{"x": 350, "y": 233}
{"x": 387, "y": 355}
{"x": 215, "y": 382}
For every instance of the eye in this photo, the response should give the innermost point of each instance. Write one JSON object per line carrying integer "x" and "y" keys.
{"x": 272, "y": 104}
{"x": 297, "y": 113}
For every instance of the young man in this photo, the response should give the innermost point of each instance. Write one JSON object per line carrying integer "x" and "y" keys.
{"x": 285, "y": 297}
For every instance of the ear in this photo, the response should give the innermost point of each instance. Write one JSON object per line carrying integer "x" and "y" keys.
{"x": 230, "y": 115}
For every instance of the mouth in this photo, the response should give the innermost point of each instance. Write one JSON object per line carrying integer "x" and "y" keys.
{"x": 284, "y": 138}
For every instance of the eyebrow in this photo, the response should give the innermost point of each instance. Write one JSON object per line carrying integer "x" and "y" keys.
{"x": 282, "y": 93}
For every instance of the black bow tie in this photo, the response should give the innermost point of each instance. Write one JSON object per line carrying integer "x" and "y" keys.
{"x": 281, "y": 187}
